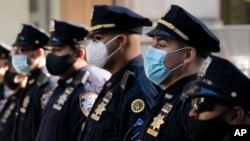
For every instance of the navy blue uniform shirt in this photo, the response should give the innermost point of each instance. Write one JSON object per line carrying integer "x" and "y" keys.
{"x": 38, "y": 89}
{"x": 7, "y": 116}
{"x": 69, "y": 105}
{"x": 165, "y": 121}
{"x": 119, "y": 108}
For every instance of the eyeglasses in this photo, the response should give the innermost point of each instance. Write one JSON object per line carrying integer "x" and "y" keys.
{"x": 203, "y": 104}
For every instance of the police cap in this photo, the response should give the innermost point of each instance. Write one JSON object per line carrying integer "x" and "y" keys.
{"x": 179, "y": 24}
{"x": 219, "y": 78}
{"x": 4, "y": 50}
{"x": 107, "y": 17}
{"x": 66, "y": 32}
{"x": 31, "y": 36}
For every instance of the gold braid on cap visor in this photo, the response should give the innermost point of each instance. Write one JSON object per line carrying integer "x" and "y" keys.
{"x": 100, "y": 26}
{"x": 172, "y": 27}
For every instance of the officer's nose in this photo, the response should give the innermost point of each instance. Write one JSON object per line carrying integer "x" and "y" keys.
{"x": 193, "y": 113}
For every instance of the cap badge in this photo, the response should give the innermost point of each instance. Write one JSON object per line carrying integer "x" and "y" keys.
{"x": 204, "y": 67}
{"x": 52, "y": 26}
{"x": 21, "y": 38}
{"x": 234, "y": 94}
{"x": 92, "y": 13}
{"x": 36, "y": 41}
{"x": 21, "y": 28}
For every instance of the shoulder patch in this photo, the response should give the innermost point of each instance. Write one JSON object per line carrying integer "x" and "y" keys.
{"x": 87, "y": 101}
{"x": 45, "y": 98}
{"x": 137, "y": 105}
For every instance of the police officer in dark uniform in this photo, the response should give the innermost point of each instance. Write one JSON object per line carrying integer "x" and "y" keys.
{"x": 78, "y": 87}
{"x": 220, "y": 102}
{"x": 181, "y": 43}
{"x": 5, "y": 92}
{"x": 128, "y": 95}
{"x": 28, "y": 58}
{"x": 16, "y": 82}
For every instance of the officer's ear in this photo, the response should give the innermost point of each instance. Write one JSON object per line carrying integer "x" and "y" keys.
{"x": 80, "y": 53}
{"x": 190, "y": 54}
{"x": 123, "y": 40}
{"x": 235, "y": 116}
{"x": 39, "y": 52}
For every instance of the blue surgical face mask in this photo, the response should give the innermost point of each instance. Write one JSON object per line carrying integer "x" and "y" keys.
{"x": 20, "y": 63}
{"x": 154, "y": 65}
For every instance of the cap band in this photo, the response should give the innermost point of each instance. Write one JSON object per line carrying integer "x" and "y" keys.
{"x": 172, "y": 27}
{"x": 100, "y": 26}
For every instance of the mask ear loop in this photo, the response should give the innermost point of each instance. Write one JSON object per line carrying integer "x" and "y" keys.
{"x": 177, "y": 50}
{"x": 114, "y": 52}
{"x": 111, "y": 40}
{"x": 181, "y": 63}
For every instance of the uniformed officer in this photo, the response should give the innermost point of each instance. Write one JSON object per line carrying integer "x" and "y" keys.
{"x": 79, "y": 83}
{"x": 5, "y": 92}
{"x": 128, "y": 95}
{"x": 181, "y": 43}
{"x": 16, "y": 82}
{"x": 220, "y": 99}
{"x": 28, "y": 58}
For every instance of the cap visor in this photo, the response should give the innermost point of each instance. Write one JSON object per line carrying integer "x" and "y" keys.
{"x": 85, "y": 42}
{"x": 199, "y": 91}
{"x": 158, "y": 32}
{"x": 55, "y": 43}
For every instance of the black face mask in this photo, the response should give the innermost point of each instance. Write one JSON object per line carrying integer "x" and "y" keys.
{"x": 9, "y": 80}
{"x": 209, "y": 130}
{"x": 56, "y": 65}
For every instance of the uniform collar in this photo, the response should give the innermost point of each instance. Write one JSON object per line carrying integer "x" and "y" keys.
{"x": 35, "y": 74}
{"x": 72, "y": 78}
{"x": 178, "y": 87}
{"x": 131, "y": 65}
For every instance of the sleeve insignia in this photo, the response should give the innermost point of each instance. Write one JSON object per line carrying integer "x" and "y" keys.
{"x": 137, "y": 105}
{"x": 87, "y": 101}
{"x": 45, "y": 98}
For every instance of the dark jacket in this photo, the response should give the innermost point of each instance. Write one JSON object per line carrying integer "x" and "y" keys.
{"x": 122, "y": 104}
{"x": 167, "y": 120}
{"x": 39, "y": 88}
{"x": 69, "y": 105}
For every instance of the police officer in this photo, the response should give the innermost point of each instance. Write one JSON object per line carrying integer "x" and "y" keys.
{"x": 78, "y": 87}
{"x": 16, "y": 82}
{"x": 181, "y": 43}
{"x": 220, "y": 98}
{"x": 28, "y": 58}
{"x": 5, "y": 92}
{"x": 128, "y": 95}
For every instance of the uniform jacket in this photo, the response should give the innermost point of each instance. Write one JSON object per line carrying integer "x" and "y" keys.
{"x": 39, "y": 88}
{"x": 7, "y": 116}
{"x": 122, "y": 104}
{"x": 69, "y": 105}
{"x": 167, "y": 120}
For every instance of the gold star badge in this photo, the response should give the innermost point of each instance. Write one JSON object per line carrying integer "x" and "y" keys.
{"x": 98, "y": 111}
{"x": 100, "y": 108}
{"x": 155, "y": 126}
{"x": 157, "y": 121}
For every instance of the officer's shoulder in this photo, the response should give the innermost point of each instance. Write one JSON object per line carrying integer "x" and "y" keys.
{"x": 101, "y": 74}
